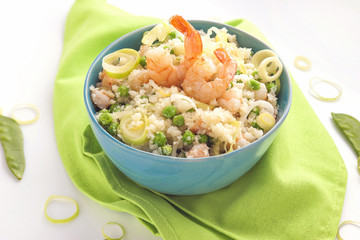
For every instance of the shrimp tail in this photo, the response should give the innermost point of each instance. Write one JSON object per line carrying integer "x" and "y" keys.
{"x": 181, "y": 25}
{"x": 193, "y": 43}
{"x": 222, "y": 55}
{"x": 228, "y": 72}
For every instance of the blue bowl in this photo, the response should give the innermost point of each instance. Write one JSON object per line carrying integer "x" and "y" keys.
{"x": 181, "y": 176}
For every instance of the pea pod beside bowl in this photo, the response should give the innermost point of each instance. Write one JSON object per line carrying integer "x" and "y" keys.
{"x": 183, "y": 176}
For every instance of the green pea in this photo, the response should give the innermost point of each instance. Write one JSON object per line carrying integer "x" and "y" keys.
{"x": 160, "y": 139}
{"x": 172, "y": 35}
{"x": 188, "y": 137}
{"x": 104, "y": 110}
{"x": 115, "y": 108}
{"x": 105, "y": 119}
{"x": 113, "y": 128}
{"x": 256, "y": 110}
{"x": 11, "y": 139}
{"x": 203, "y": 138}
{"x": 254, "y": 73}
{"x": 256, "y": 125}
{"x": 253, "y": 84}
{"x": 178, "y": 120}
{"x": 169, "y": 111}
{"x": 123, "y": 90}
{"x": 143, "y": 61}
{"x": 270, "y": 85}
{"x": 166, "y": 150}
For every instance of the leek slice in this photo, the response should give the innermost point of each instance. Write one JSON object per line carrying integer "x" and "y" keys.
{"x": 112, "y": 228}
{"x": 19, "y": 106}
{"x": 302, "y": 63}
{"x": 61, "y": 198}
{"x": 265, "y": 120}
{"x": 1, "y": 110}
{"x": 275, "y": 64}
{"x": 178, "y": 99}
{"x": 120, "y": 64}
{"x": 344, "y": 223}
{"x": 136, "y": 136}
{"x": 317, "y": 95}
{"x": 159, "y": 32}
{"x": 259, "y": 56}
{"x": 203, "y": 106}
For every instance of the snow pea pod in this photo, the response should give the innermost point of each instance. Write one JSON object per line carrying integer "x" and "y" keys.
{"x": 351, "y": 128}
{"x": 11, "y": 139}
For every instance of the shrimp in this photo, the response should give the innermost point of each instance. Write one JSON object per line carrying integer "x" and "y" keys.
{"x": 137, "y": 78}
{"x": 231, "y": 100}
{"x": 198, "y": 150}
{"x": 160, "y": 62}
{"x": 107, "y": 81}
{"x": 198, "y": 84}
{"x": 101, "y": 97}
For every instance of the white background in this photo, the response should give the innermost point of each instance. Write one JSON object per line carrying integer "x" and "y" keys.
{"x": 327, "y": 32}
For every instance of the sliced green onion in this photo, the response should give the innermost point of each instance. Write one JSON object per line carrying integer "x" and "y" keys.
{"x": 112, "y": 231}
{"x": 302, "y": 63}
{"x": 316, "y": 94}
{"x": 137, "y": 136}
{"x": 115, "y": 67}
{"x": 61, "y": 198}
{"x": 19, "y": 106}
{"x": 344, "y": 223}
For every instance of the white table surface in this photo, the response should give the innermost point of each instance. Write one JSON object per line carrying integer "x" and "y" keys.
{"x": 327, "y": 32}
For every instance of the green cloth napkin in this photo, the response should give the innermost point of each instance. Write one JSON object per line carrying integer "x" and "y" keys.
{"x": 296, "y": 191}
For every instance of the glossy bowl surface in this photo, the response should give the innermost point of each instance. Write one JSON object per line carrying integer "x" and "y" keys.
{"x": 181, "y": 176}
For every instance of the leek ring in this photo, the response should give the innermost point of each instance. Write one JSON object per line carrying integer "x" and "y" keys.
{"x": 259, "y": 56}
{"x": 114, "y": 68}
{"x": 302, "y": 63}
{"x": 263, "y": 71}
{"x": 317, "y": 95}
{"x": 62, "y": 198}
{"x": 21, "y": 106}
{"x": 114, "y": 224}
{"x": 344, "y": 223}
{"x": 136, "y": 136}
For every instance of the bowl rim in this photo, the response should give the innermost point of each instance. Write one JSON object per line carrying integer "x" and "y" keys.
{"x": 168, "y": 159}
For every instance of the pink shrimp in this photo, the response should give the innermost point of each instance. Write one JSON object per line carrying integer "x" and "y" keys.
{"x": 198, "y": 150}
{"x": 160, "y": 62}
{"x": 197, "y": 82}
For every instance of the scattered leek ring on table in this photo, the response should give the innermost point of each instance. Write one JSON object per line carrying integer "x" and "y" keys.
{"x": 302, "y": 63}
{"x": 115, "y": 226}
{"x": 136, "y": 136}
{"x": 344, "y": 223}
{"x": 21, "y": 106}
{"x": 120, "y": 64}
{"x": 316, "y": 94}
{"x": 61, "y": 198}
{"x": 263, "y": 71}
{"x": 259, "y": 56}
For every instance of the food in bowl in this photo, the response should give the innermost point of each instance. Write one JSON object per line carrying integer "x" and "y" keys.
{"x": 188, "y": 93}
